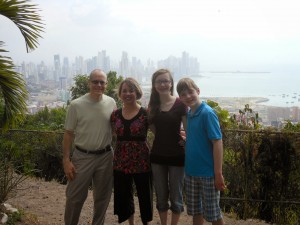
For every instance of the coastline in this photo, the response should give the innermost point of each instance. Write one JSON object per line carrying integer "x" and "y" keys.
{"x": 242, "y": 101}
{"x": 236, "y": 101}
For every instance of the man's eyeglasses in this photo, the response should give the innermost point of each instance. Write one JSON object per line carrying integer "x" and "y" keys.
{"x": 160, "y": 82}
{"x": 96, "y": 82}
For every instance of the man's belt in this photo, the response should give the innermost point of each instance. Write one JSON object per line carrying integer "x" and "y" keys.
{"x": 97, "y": 152}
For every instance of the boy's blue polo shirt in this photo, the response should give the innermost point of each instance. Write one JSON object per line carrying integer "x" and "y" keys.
{"x": 202, "y": 127}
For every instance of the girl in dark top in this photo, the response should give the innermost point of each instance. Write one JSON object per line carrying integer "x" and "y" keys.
{"x": 166, "y": 115}
{"x": 131, "y": 157}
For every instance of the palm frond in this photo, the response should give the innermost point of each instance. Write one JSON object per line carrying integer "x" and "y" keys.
{"x": 14, "y": 92}
{"x": 26, "y": 18}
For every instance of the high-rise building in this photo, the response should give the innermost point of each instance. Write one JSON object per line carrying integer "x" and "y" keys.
{"x": 79, "y": 65}
{"x": 137, "y": 69}
{"x": 57, "y": 67}
{"x": 103, "y": 61}
{"x": 66, "y": 67}
{"x": 124, "y": 65}
{"x": 91, "y": 64}
{"x": 63, "y": 83}
{"x": 42, "y": 72}
{"x": 184, "y": 64}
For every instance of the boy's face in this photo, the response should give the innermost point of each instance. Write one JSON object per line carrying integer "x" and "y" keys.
{"x": 190, "y": 97}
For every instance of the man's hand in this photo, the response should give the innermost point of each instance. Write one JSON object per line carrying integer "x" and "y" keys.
{"x": 69, "y": 169}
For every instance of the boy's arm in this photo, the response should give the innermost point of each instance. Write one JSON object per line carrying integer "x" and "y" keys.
{"x": 218, "y": 160}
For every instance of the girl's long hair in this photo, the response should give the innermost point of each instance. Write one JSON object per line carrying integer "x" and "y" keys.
{"x": 154, "y": 102}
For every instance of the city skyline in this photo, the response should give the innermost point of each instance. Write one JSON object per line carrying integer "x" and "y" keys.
{"x": 63, "y": 67}
{"x": 223, "y": 35}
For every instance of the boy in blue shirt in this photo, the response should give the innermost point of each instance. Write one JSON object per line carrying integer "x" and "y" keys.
{"x": 204, "y": 156}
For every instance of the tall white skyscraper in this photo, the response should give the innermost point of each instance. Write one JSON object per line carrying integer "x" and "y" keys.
{"x": 57, "y": 67}
{"x": 124, "y": 65}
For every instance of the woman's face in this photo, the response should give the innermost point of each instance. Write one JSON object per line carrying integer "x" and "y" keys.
{"x": 163, "y": 83}
{"x": 128, "y": 94}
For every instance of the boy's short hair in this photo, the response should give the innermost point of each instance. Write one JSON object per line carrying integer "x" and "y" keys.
{"x": 185, "y": 84}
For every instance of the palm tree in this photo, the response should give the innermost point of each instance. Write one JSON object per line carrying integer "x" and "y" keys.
{"x": 13, "y": 93}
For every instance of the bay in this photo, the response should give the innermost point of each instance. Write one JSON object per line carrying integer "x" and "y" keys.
{"x": 281, "y": 89}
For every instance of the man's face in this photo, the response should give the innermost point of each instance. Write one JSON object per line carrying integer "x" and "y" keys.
{"x": 97, "y": 83}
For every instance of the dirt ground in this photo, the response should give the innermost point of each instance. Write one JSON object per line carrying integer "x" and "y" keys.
{"x": 46, "y": 201}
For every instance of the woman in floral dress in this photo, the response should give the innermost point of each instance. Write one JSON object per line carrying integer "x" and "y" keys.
{"x": 131, "y": 157}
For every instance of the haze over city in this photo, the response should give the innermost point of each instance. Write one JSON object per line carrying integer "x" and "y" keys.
{"x": 256, "y": 35}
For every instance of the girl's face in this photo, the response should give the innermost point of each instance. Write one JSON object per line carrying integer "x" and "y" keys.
{"x": 163, "y": 83}
{"x": 128, "y": 94}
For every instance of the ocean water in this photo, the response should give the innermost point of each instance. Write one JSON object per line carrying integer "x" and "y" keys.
{"x": 282, "y": 89}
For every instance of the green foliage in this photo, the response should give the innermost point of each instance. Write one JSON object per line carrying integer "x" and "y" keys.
{"x": 291, "y": 127}
{"x": 274, "y": 171}
{"x": 80, "y": 87}
{"x": 13, "y": 93}
{"x": 45, "y": 119}
{"x": 112, "y": 86}
{"x": 14, "y": 217}
{"x": 258, "y": 165}
{"x": 223, "y": 115}
{"x": 10, "y": 176}
{"x": 263, "y": 166}
{"x": 26, "y": 17}
{"x": 37, "y": 153}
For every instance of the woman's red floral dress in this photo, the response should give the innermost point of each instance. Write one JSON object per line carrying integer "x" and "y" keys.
{"x": 131, "y": 152}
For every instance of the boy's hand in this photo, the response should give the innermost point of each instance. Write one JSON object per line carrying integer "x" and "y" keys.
{"x": 219, "y": 182}
{"x": 183, "y": 138}
{"x": 183, "y": 135}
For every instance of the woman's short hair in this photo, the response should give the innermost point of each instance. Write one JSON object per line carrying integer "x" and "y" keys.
{"x": 132, "y": 83}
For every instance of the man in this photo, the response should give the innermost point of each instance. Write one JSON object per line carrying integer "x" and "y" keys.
{"x": 88, "y": 123}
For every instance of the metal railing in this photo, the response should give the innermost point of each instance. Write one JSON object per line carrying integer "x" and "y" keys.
{"x": 261, "y": 169}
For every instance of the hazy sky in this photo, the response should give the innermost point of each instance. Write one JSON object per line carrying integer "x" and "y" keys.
{"x": 222, "y": 34}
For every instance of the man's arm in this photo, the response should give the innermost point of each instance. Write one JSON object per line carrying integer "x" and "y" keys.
{"x": 218, "y": 160}
{"x": 69, "y": 168}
